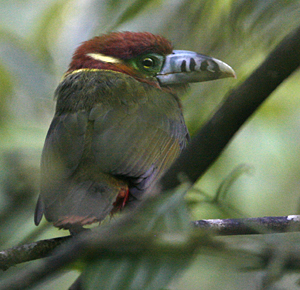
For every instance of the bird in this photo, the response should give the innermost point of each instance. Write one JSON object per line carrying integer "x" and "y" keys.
{"x": 118, "y": 125}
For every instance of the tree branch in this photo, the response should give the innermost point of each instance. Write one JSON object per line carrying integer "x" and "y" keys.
{"x": 29, "y": 252}
{"x": 250, "y": 226}
{"x": 246, "y": 226}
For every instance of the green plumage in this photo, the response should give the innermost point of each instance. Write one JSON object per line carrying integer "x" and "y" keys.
{"x": 109, "y": 132}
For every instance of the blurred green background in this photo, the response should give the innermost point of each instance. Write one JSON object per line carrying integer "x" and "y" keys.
{"x": 37, "y": 39}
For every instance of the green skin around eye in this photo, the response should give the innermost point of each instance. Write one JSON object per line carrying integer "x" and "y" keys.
{"x": 152, "y": 70}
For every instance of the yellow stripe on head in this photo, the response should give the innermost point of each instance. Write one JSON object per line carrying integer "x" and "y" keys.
{"x": 104, "y": 58}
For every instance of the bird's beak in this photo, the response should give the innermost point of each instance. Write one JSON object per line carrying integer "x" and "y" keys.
{"x": 187, "y": 67}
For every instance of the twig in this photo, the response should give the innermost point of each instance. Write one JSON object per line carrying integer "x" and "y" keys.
{"x": 29, "y": 252}
{"x": 250, "y": 226}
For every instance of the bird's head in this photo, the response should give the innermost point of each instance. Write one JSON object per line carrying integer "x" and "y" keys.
{"x": 148, "y": 58}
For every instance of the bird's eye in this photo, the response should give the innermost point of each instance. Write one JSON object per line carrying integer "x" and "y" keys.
{"x": 147, "y": 62}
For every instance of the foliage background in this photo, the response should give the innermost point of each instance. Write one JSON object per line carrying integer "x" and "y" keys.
{"x": 37, "y": 41}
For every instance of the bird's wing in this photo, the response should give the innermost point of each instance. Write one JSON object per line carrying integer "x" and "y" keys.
{"x": 138, "y": 133}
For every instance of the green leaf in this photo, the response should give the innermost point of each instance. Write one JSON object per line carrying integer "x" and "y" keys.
{"x": 145, "y": 250}
{"x": 135, "y": 272}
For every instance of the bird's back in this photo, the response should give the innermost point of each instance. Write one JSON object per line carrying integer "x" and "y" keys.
{"x": 110, "y": 133}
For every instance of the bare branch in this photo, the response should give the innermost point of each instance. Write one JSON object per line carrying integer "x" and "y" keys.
{"x": 29, "y": 252}
{"x": 246, "y": 226}
{"x": 250, "y": 226}
{"x": 61, "y": 256}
